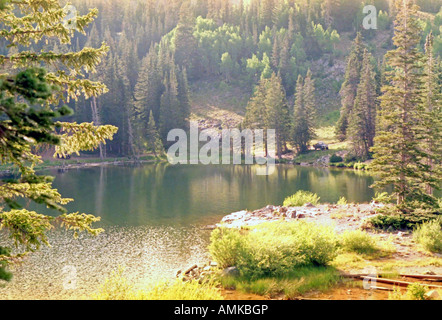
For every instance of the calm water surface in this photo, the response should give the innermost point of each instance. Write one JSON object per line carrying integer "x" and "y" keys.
{"x": 152, "y": 216}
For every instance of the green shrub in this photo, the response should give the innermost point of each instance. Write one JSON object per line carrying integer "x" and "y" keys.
{"x": 384, "y": 222}
{"x": 227, "y": 246}
{"x": 292, "y": 284}
{"x": 335, "y": 159}
{"x": 340, "y": 165}
{"x": 342, "y": 201}
{"x": 414, "y": 291}
{"x": 359, "y": 166}
{"x": 358, "y": 241}
{"x": 350, "y": 158}
{"x": 300, "y": 198}
{"x": 429, "y": 235}
{"x": 382, "y": 197}
{"x": 273, "y": 249}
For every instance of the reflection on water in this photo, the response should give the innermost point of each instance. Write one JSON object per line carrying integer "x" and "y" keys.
{"x": 182, "y": 195}
{"x": 153, "y": 215}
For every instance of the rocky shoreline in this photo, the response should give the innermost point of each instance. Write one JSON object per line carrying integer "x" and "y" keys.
{"x": 344, "y": 217}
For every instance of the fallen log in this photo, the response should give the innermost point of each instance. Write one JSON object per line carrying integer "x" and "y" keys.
{"x": 398, "y": 282}
{"x": 423, "y": 276}
{"x": 415, "y": 276}
{"x": 381, "y": 288}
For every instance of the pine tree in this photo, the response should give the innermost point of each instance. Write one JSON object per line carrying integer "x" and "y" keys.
{"x": 361, "y": 129}
{"x": 399, "y": 159}
{"x": 28, "y": 99}
{"x": 153, "y": 137}
{"x": 432, "y": 130}
{"x": 277, "y": 112}
{"x": 185, "y": 44}
{"x": 350, "y": 85}
{"x": 303, "y": 131}
{"x": 310, "y": 101}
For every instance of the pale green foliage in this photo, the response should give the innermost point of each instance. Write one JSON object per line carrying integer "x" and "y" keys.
{"x": 300, "y": 198}
{"x": 429, "y": 235}
{"x": 82, "y": 137}
{"x": 118, "y": 287}
{"x": 28, "y": 107}
{"x": 272, "y": 249}
{"x": 358, "y": 241}
{"x": 342, "y": 201}
{"x": 414, "y": 291}
{"x": 226, "y": 246}
{"x": 184, "y": 290}
{"x": 382, "y": 197}
{"x": 115, "y": 287}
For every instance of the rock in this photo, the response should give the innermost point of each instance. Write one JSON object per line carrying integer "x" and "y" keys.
{"x": 300, "y": 215}
{"x": 209, "y": 227}
{"x": 309, "y": 205}
{"x": 429, "y": 272}
{"x": 291, "y": 214}
{"x": 231, "y": 271}
{"x": 283, "y": 209}
{"x": 213, "y": 264}
{"x": 191, "y": 269}
{"x": 432, "y": 295}
{"x": 401, "y": 234}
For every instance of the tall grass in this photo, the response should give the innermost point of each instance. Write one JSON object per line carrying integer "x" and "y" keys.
{"x": 274, "y": 249}
{"x": 117, "y": 287}
{"x": 358, "y": 241}
{"x": 294, "y": 283}
{"x": 429, "y": 235}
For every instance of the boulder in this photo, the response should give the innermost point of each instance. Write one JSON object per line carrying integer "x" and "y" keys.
{"x": 309, "y": 205}
{"x": 300, "y": 215}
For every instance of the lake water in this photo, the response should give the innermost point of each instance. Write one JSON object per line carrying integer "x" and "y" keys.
{"x": 153, "y": 217}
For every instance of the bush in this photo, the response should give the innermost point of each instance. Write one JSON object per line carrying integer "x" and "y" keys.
{"x": 226, "y": 246}
{"x": 273, "y": 249}
{"x": 342, "y": 201}
{"x": 300, "y": 198}
{"x": 350, "y": 158}
{"x": 335, "y": 159}
{"x": 382, "y": 197}
{"x": 414, "y": 291}
{"x": 360, "y": 166}
{"x": 395, "y": 222}
{"x": 358, "y": 241}
{"x": 429, "y": 235}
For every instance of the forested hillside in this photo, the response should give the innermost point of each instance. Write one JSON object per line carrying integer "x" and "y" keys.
{"x": 172, "y": 60}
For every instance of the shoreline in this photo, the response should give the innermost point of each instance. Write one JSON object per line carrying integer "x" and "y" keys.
{"x": 84, "y": 163}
